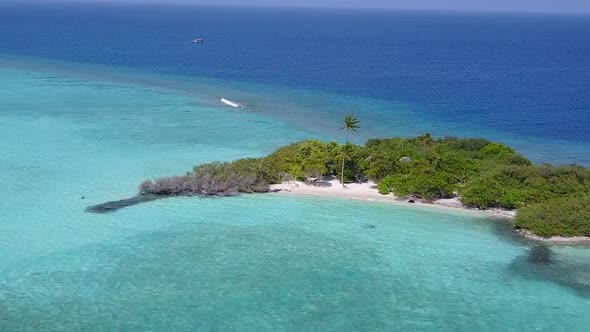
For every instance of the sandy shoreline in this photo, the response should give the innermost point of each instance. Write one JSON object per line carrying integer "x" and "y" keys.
{"x": 574, "y": 240}
{"x": 368, "y": 192}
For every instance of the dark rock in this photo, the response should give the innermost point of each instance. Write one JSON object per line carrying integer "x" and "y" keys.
{"x": 411, "y": 201}
{"x": 113, "y": 206}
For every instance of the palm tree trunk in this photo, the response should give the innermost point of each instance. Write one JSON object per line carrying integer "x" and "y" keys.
{"x": 343, "y": 156}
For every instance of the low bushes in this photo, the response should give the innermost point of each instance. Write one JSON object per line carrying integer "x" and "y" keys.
{"x": 514, "y": 186}
{"x": 566, "y": 216}
{"x": 218, "y": 179}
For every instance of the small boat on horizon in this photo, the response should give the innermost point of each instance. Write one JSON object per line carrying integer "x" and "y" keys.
{"x": 198, "y": 41}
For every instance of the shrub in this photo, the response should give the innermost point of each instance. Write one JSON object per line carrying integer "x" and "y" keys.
{"x": 311, "y": 158}
{"x": 485, "y": 190}
{"x": 566, "y": 216}
{"x": 496, "y": 149}
{"x": 167, "y": 186}
{"x": 428, "y": 185}
{"x": 381, "y": 157}
{"x": 512, "y": 199}
{"x": 511, "y": 186}
{"x": 352, "y": 163}
{"x": 385, "y": 186}
{"x": 219, "y": 179}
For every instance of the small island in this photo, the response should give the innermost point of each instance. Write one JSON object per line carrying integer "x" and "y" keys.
{"x": 551, "y": 202}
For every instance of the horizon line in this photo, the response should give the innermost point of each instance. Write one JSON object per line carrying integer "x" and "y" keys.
{"x": 300, "y": 6}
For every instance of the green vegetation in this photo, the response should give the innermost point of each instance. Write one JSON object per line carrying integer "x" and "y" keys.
{"x": 515, "y": 186}
{"x": 552, "y": 200}
{"x": 428, "y": 168}
{"x": 567, "y": 216}
{"x": 213, "y": 179}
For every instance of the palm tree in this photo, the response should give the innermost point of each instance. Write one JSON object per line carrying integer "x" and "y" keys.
{"x": 351, "y": 125}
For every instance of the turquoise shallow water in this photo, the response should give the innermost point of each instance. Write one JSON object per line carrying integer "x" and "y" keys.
{"x": 249, "y": 263}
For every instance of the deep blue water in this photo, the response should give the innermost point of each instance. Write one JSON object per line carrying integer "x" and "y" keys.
{"x": 527, "y": 76}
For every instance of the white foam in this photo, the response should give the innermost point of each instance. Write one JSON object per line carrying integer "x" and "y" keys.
{"x": 231, "y": 103}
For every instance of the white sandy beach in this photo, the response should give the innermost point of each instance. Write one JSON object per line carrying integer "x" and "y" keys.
{"x": 368, "y": 192}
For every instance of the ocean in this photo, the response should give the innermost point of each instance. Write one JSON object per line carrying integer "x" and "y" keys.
{"x": 96, "y": 98}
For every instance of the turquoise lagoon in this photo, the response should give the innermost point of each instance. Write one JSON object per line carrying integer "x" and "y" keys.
{"x": 250, "y": 263}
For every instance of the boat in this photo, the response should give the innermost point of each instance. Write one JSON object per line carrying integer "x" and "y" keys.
{"x": 198, "y": 41}
{"x": 231, "y": 103}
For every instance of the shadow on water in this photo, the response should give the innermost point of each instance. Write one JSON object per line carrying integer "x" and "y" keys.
{"x": 543, "y": 263}
{"x": 505, "y": 233}
{"x": 113, "y": 206}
